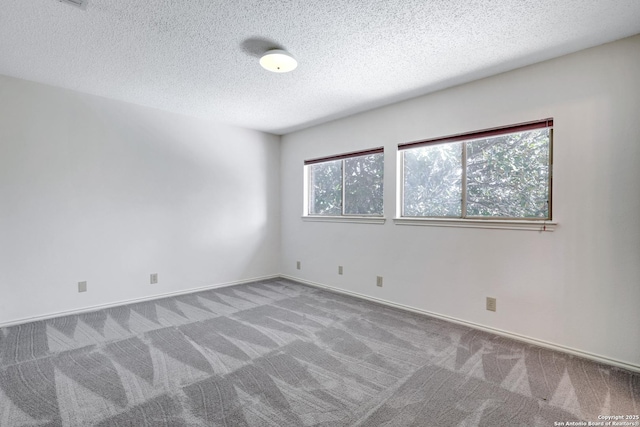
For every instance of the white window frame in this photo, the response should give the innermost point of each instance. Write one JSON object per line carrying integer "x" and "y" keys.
{"x": 533, "y": 224}
{"x": 343, "y": 217}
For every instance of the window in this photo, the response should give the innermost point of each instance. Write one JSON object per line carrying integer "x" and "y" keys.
{"x": 346, "y": 185}
{"x": 502, "y": 173}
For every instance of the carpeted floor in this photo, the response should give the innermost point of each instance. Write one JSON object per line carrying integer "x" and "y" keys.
{"x": 278, "y": 353}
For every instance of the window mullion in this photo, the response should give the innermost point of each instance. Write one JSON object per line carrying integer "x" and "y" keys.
{"x": 550, "y": 174}
{"x": 309, "y": 171}
{"x": 464, "y": 181}
{"x": 401, "y": 186}
{"x": 343, "y": 186}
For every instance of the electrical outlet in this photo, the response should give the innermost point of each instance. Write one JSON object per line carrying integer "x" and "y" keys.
{"x": 82, "y": 286}
{"x": 379, "y": 281}
{"x": 154, "y": 278}
{"x": 339, "y": 269}
{"x": 491, "y": 304}
{"x": 298, "y": 265}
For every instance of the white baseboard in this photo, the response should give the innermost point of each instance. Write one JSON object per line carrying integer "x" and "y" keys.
{"x": 553, "y": 346}
{"x": 134, "y": 300}
{"x": 541, "y": 343}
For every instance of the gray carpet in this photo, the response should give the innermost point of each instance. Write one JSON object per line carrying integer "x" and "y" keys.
{"x": 277, "y": 353}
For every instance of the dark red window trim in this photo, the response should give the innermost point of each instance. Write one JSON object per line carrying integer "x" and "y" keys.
{"x": 345, "y": 156}
{"x": 487, "y": 133}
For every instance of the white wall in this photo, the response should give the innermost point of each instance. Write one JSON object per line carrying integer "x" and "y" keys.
{"x": 108, "y": 192}
{"x": 577, "y": 287}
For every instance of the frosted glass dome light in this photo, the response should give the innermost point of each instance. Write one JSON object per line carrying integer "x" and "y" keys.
{"x": 278, "y": 61}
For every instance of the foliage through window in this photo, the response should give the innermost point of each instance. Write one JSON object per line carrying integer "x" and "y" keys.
{"x": 499, "y": 173}
{"x": 348, "y": 184}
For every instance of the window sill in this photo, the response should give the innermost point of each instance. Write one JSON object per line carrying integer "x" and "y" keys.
{"x": 502, "y": 224}
{"x": 351, "y": 219}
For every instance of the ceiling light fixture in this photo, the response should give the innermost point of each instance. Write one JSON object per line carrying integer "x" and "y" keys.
{"x": 82, "y": 4}
{"x": 278, "y": 61}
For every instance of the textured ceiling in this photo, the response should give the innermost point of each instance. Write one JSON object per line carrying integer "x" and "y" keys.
{"x": 200, "y": 57}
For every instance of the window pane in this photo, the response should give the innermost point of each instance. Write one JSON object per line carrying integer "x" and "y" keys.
{"x": 508, "y": 175}
{"x": 363, "y": 184}
{"x": 433, "y": 180}
{"x": 325, "y": 188}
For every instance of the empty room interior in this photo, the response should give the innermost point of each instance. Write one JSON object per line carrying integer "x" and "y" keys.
{"x": 322, "y": 213}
